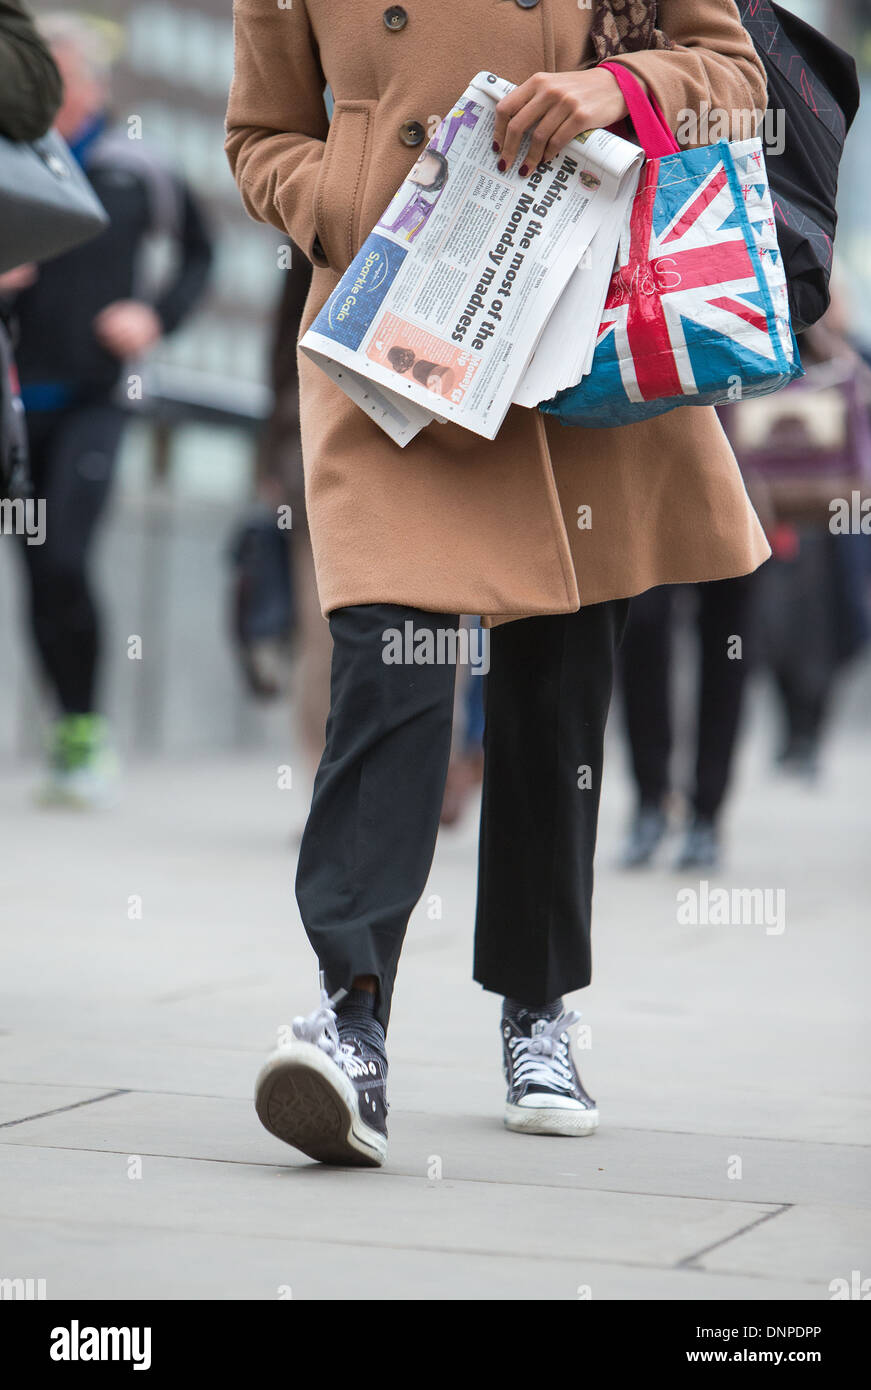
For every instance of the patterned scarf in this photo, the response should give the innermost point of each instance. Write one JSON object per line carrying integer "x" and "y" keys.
{"x": 626, "y": 26}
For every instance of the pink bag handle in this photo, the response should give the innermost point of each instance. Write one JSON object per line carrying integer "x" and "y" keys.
{"x": 652, "y": 129}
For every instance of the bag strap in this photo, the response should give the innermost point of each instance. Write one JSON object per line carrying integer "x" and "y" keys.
{"x": 652, "y": 129}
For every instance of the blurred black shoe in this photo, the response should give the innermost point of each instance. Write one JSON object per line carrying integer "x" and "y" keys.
{"x": 645, "y": 836}
{"x": 801, "y": 757}
{"x": 701, "y": 846}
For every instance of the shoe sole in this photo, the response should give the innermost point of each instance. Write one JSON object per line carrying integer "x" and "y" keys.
{"x": 303, "y": 1098}
{"x": 574, "y": 1124}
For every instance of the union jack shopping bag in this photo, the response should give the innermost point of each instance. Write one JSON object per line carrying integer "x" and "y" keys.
{"x": 697, "y": 311}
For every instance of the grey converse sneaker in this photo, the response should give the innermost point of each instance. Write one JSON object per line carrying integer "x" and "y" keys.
{"x": 545, "y": 1095}
{"x": 324, "y": 1092}
{"x": 701, "y": 846}
{"x": 646, "y": 833}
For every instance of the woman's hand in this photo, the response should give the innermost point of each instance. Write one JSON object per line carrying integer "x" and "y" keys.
{"x": 559, "y": 106}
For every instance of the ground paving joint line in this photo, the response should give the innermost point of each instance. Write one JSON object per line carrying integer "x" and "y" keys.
{"x": 59, "y": 1109}
{"x": 689, "y": 1261}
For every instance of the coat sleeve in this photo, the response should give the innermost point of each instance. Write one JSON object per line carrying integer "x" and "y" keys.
{"x": 712, "y": 61}
{"x": 276, "y": 120}
{"x": 194, "y": 263}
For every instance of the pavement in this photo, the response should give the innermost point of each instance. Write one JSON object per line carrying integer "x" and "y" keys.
{"x": 149, "y": 956}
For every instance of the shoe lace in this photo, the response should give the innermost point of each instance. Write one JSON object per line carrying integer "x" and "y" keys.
{"x": 543, "y": 1058}
{"x": 319, "y": 1028}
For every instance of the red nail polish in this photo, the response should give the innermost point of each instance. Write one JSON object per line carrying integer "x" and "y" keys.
{"x": 502, "y": 166}
{"x": 524, "y": 170}
{"x": 495, "y": 148}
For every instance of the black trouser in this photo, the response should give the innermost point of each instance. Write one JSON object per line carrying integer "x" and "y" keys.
{"x": 724, "y": 612}
{"x": 369, "y": 841}
{"x": 809, "y": 629}
{"x": 72, "y": 454}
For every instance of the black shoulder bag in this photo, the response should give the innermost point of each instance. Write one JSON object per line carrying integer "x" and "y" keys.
{"x": 814, "y": 83}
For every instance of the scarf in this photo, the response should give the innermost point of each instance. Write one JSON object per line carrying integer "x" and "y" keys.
{"x": 626, "y": 26}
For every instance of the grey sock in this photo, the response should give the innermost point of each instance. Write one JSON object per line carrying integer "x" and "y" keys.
{"x": 521, "y": 1014}
{"x": 355, "y": 1017}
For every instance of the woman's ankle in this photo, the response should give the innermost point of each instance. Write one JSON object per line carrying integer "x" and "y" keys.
{"x": 369, "y": 983}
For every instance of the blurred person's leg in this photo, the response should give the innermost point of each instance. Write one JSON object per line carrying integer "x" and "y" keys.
{"x": 74, "y": 456}
{"x": 73, "y": 459}
{"x": 804, "y": 712}
{"x": 803, "y": 612}
{"x": 780, "y": 619}
{"x": 726, "y": 610}
{"x": 805, "y": 692}
{"x": 473, "y": 741}
{"x": 804, "y": 689}
{"x": 467, "y": 751}
{"x": 645, "y": 664}
{"x": 822, "y": 624}
{"x": 546, "y": 705}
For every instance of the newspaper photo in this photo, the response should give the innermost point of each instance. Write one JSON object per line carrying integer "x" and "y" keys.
{"x": 477, "y": 288}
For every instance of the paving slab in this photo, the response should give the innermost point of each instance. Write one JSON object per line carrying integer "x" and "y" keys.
{"x": 165, "y": 1264}
{"x": 93, "y": 1192}
{"x": 475, "y": 1147}
{"x": 816, "y": 1243}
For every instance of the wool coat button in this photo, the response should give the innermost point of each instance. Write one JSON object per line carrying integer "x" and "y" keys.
{"x": 527, "y": 4}
{"x": 395, "y": 18}
{"x": 412, "y": 133}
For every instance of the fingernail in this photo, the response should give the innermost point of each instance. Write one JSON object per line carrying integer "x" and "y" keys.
{"x": 495, "y": 148}
{"x": 502, "y": 166}
{"x": 524, "y": 170}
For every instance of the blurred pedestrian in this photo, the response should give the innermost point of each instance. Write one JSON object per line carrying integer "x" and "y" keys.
{"x": 80, "y": 321}
{"x": 724, "y": 614}
{"x": 814, "y": 622}
{"x": 814, "y": 612}
{"x": 30, "y": 94}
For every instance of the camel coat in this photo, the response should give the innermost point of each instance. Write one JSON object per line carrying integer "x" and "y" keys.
{"x": 454, "y": 523}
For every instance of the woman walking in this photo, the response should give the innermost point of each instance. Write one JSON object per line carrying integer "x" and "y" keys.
{"x": 405, "y": 540}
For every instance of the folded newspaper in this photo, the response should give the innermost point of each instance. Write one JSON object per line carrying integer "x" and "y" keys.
{"x": 478, "y": 289}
